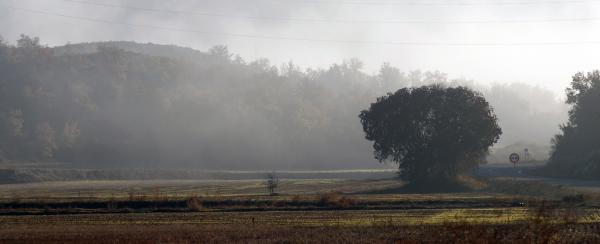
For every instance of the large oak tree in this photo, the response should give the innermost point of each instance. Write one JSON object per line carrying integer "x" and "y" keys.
{"x": 434, "y": 133}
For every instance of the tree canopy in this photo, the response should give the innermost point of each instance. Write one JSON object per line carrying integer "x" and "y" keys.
{"x": 432, "y": 132}
{"x": 577, "y": 149}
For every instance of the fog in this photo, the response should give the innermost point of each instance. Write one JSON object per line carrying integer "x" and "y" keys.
{"x": 287, "y": 93}
{"x": 541, "y": 64}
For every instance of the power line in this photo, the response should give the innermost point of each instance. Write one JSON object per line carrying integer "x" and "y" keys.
{"x": 265, "y": 37}
{"x": 343, "y": 21}
{"x": 432, "y": 4}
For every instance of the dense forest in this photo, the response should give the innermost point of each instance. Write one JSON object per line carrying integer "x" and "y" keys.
{"x": 124, "y": 104}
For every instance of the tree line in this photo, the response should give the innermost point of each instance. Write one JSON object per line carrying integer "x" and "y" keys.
{"x": 128, "y": 104}
{"x": 576, "y": 150}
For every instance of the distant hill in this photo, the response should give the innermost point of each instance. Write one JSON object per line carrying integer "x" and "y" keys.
{"x": 125, "y": 104}
{"x": 150, "y": 49}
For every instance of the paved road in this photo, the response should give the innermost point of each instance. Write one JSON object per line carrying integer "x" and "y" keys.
{"x": 520, "y": 173}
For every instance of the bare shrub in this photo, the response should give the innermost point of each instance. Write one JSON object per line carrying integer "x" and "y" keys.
{"x": 330, "y": 198}
{"x": 272, "y": 183}
{"x": 346, "y": 202}
{"x": 156, "y": 194}
{"x": 278, "y": 203}
{"x": 574, "y": 199}
{"x": 547, "y": 221}
{"x": 111, "y": 204}
{"x": 336, "y": 199}
{"x": 296, "y": 199}
{"x": 194, "y": 203}
{"x": 131, "y": 194}
{"x": 459, "y": 232}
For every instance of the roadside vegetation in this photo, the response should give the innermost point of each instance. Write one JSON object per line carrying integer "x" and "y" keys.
{"x": 576, "y": 151}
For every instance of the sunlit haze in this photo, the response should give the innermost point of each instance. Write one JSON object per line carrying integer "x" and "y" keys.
{"x": 538, "y": 42}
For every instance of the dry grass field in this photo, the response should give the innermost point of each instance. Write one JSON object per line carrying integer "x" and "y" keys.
{"x": 305, "y": 211}
{"x": 71, "y": 190}
{"x": 415, "y": 226}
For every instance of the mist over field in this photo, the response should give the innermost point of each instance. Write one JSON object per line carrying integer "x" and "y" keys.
{"x": 270, "y": 84}
{"x": 299, "y": 121}
{"x": 488, "y": 41}
{"x": 122, "y": 104}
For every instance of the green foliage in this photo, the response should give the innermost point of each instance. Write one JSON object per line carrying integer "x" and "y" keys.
{"x": 577, "y": 150}
{"x": 433, "y": 133}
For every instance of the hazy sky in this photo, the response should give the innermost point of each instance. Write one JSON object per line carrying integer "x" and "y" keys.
{"x": 366, "y": 21}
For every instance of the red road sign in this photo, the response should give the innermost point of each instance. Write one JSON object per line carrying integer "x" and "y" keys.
{"x": 514, "y": 158}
